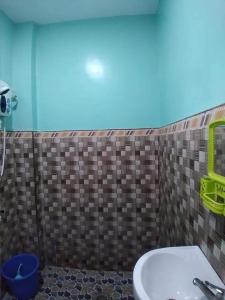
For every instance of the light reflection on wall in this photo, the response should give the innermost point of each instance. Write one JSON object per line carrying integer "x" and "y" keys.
{"x": 95, "y": 68}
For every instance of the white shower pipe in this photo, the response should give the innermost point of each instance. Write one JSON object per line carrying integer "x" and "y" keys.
{"x": 3, "y": 148}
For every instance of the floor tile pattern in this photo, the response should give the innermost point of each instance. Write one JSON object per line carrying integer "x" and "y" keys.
{"x": 73, "y": 284}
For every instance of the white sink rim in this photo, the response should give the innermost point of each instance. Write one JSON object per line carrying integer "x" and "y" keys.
{"x": 139, "y": 290}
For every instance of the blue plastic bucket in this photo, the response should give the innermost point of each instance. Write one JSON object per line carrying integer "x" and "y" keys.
{"x": 27, "y": 286}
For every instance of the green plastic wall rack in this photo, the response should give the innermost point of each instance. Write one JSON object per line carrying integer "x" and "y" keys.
{"x": 212, "y": 187}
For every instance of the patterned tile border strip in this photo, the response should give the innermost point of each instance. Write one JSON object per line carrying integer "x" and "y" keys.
{"x": 198, "y": 121}
{"x": 17, "y": 134}
{"x": 97, "y": 133}
{"x": 83, "y": 133}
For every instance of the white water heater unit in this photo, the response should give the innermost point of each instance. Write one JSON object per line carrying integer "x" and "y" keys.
{"x": 5, "y": 99}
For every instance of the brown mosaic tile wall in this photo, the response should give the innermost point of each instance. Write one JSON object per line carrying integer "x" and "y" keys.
{"x": 183, "y": 160}
{"x": 220, "y": 151}
{"x": 18, "y": 230}
{"x": 98, "y": 198}
{"x": 90, "y": 199}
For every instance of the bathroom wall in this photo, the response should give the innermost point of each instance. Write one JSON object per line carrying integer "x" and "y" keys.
{"x": 219, "y": 151}
{"x": 7, "y": 29}
{"x": 98, "y": 197}
{"x": 83, "y": 199}
{"x": 144, "y": 71}
{"x": 111, "y": 73}
{"x": 17, "y": 67}
{"x": 24, "y": 76}
{"x": 192, "y": 62}
{"x": 7, "y": 36}
{"x": 98, "y": 74}
{"x": 183, "y": 161}
{"x": 18, "y": 224}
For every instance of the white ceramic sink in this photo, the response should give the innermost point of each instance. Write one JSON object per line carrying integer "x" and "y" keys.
{"x": 168, "y": 273}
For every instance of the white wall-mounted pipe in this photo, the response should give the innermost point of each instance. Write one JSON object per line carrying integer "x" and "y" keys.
{"x": 3, "y": 148}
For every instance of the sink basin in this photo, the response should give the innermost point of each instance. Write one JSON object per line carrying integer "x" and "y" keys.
{"x": 167, "y": 273}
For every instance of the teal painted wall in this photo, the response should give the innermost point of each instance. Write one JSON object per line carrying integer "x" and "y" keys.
{"x": 66, "y": 96}
{"x": 124, "y": 96}
{"x": 23, "y": 77}
{"x": 6, "y": 47}
{"x": 17, "y": 68}
{"x": 117, "y": 72}
{"x": 192, "y": 56}
{"x": 6, "y": 44}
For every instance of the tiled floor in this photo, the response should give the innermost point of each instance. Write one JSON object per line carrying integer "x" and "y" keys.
{"x": 73, "y": 284}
